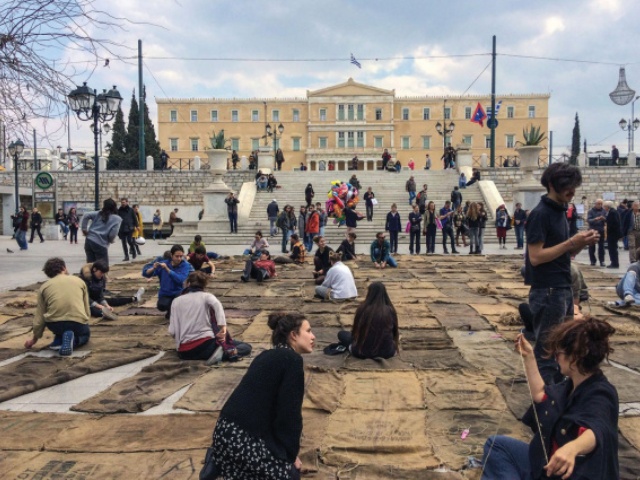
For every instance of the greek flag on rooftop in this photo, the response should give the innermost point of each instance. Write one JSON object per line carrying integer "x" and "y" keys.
{"x": 355, "y": 62}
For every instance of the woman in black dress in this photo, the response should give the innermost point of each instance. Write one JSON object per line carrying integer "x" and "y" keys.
{"x": 259, "y": 428}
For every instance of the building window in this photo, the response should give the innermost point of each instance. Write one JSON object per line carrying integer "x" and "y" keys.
{"x": 405, "y": 114}
{"x": 323, "y": 114}
{"x": 360, "y": 139}
{"x": 447, "y": 140}
{"x": 405, "y": 143}
{"x": 234, "y": 115}
{"x": 360, "y": 111}
{"x": 511, "y": 141}
{"x": 340, "y": 112}
{"x": 350, "y": 112}
{"x": 275, "y": 115}
{"x": 378, "y": 114}
{"x": 350, "y": 140}
{"x": 235, "y": 144}
{"x": 322, "y": 142}
{"x": 194, "y": 115}
{"x": 173, "y": 144}
{"x": 510, "y": 111}
{"x": 426, "y": 113}
{"x": 467, "y": 140}
{"x": 255, "y": 143}
{"x": 467, "y": 113}
{"x": 214, "y": 115}
{"x": 296, "y": 115}
{"x": 532, "y": 111}
{"x": 447, "y": 113}
{"x": 426, "y": 143}
{"x": 296, "y": 144}
{"x": 194, "y": 144}
{"x": 340, "y": 139}
{"x": 377, "y": 142}
{"x": 255, "y": 116}
{"x": 487, "y": 141}
{"x": 173, "y": 116}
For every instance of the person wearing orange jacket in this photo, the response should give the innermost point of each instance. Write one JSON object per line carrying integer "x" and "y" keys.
{"x": 311, "y": 227}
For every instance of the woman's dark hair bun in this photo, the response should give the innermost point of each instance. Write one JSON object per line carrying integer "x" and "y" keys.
{"x": 598, "y": 330}
{"x": 274, "y": 319}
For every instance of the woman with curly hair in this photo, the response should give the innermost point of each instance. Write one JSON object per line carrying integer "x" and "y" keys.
{"x": 575, "y": 422}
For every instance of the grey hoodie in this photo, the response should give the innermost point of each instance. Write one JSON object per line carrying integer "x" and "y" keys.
{"x": 101, "y": 233}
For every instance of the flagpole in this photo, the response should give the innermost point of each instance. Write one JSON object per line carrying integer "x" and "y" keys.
{"x": 492, "y": 122}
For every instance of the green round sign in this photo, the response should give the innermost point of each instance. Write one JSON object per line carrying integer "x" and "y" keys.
{"x": 44, "y": 180}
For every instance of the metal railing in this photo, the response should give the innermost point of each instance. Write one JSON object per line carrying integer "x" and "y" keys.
{"x": 543, "y": 161}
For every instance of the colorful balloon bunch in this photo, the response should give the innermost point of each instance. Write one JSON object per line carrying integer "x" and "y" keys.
{"x": 340, "y": 194}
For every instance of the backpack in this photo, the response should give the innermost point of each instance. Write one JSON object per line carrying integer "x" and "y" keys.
{"x": 156, "y": 220}
{"x": 281, "y": 222}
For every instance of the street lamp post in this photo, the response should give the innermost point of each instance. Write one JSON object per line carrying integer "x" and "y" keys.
{"x": 631, "y": 126}
{"x": 89, "y": 105}
{"x": 15, "y": 149}
{"x": 106, "y": 129}
{"x": 444, "y": 130}
{"x": 274, "y": 133}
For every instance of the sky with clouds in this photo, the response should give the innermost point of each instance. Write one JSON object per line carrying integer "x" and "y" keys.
{"x": 235, "y": 46}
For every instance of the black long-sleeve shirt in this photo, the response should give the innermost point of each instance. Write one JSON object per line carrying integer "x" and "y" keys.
{"x": 268, "y": 401}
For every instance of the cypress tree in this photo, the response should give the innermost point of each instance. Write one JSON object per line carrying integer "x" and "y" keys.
{"x": 117, "y": 155}
{"x": 131, "y": 139}
{"x": 575, "y": 142}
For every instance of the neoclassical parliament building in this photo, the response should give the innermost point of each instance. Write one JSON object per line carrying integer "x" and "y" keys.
{"x": 340, "y": 121}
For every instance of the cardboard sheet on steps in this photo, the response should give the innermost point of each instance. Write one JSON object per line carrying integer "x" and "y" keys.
{"x": 146, "y": 389}
{"x": 35, "y": 373}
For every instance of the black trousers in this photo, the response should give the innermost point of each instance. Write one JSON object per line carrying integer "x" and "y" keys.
{"x": 592, "y": 250}
{"x": 127, "y": 244}
{"x": 447, "y": 231}
{"x": 393, "y": 241}
{"x": 612, "y": 246}
{"x": 33, "y": 231}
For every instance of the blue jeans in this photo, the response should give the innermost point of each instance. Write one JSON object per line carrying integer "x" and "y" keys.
{"x": 233, "y": 221}
{"x": 81, "y": 331}
{"x": 286, "y": 234}
{"x": 508, "y": 459}
{"x": 627, "y": 286}
{"x": 308, "y": 241}
{"x": 549, "y": 307}
{"x": 390, "y": 260}
{"x": 21, "y": 238}
{"x": 64, "y": 228}
{"x": 393, "y": 241}
{"x": 262, "y": 185}
{"x": 412, "y": 196}
{"x": 272, "y": 226}
{"x": 447, "y": 231}
{"x": 519, "y": 235}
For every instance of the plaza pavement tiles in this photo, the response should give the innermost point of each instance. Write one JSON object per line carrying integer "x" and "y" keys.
{"x": 125, "y": 407}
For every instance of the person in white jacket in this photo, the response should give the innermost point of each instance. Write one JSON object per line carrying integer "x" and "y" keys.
{"x": 339, "y": 283}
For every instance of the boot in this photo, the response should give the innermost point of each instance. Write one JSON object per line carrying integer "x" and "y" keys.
{"x": 471, "y": 252}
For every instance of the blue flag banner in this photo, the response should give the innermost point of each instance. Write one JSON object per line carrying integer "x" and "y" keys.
{"x": 355, "y": 62}
{"x": 490, "y": 113}
{"x": 479, "y": 115}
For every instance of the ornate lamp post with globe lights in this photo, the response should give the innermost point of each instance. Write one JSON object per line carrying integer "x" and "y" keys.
{"x": 101, "y": 108}
{"x": 15, "y": 149}
{"x": 274, "y": 132}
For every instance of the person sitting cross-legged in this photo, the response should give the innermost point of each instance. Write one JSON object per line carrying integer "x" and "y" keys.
{"x": 172, "y": 274}
{"x": 95, "y": 276}
{"x": 199, "y": 326}
{"x": 375, "y": 326}
{"x": 338, "y": 283}
{"x": 200, "y": 261}
{"x": 297, "y": 249}
{"x": 321, "y": 260}
{"x": 628, "y": 288}
{"x": 63, "y": 308}
{"x": 260, "y": 269}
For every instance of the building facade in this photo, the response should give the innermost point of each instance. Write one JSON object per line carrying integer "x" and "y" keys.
{"x": 336, "y": 123}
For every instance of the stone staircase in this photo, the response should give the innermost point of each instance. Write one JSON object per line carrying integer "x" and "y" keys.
{"x": 388, "y": 187}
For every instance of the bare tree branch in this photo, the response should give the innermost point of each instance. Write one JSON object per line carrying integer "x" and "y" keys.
{"x": 46, "y": 48}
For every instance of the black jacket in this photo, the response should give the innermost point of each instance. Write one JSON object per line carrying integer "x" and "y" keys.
{"x": 36, "y": 220}
{"x": 129, "y": 220}
{"x": 614, "y": 225}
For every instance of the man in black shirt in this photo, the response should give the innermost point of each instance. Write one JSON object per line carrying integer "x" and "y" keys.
{"x": 519, "y": 218}
{"x": 548, "y": 259}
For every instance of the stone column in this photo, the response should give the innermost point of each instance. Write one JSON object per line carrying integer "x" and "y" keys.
{"x": 266, "y": 161}
{"x": 149, "y": 163}
{"x": 464, "y": 161}
{"x": 196, "y": 162}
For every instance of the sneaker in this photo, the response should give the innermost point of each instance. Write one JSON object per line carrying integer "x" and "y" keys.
{"x": 56, "y": 344}
{"x": 125, "y": 259}
{"x": 628, "y": 299}
{"x": 109, "y": 315}
{"x": 216, "y": 357}
{"x": 138, "y": 295}
{"x": 66, "y": 348}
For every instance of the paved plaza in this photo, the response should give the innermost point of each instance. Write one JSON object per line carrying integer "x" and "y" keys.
{"x": 125, "y": 407}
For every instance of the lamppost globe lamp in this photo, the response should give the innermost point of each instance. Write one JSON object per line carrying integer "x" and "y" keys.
{"x": 100, "y": 108}
{"x": 15, "y": 149}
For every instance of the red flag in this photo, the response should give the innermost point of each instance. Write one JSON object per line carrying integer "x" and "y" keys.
{"x": 479, "y": 115}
